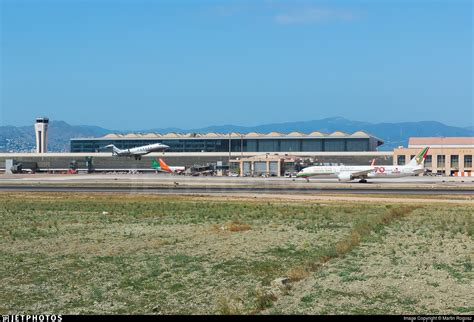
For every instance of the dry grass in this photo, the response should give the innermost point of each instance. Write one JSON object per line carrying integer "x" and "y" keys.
{"x": 153, "y": 254}
{"x": 228, "y": 307}
{"x": 419, "y": 263}
{"x": 232, "y": 226}
{"x": 264, "y": 299}
{"x": 364, "y": 228}
{"x": 298, "y": 273}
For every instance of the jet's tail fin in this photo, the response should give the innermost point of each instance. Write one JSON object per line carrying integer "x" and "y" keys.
{"x": 115, "y": 150}
{"x": 164, "y": 166}
{"x": 419, "y": 159}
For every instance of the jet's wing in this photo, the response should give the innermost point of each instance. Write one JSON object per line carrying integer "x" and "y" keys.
{"x": 362, "y": 173}
{"x": 140, "y": 152}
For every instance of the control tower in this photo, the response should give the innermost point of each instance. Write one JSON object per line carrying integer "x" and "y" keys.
{"x": 41, "y": 130}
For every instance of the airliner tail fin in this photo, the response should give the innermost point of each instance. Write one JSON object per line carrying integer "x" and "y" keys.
{"x": 419, "y": 159}
{"x": 164, "y": 166}
{"x": 154, "y": 164}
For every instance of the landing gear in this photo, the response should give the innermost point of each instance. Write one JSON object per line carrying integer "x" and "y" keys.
{"x": 362, "y": 181}
{"x": 138, "y": 157}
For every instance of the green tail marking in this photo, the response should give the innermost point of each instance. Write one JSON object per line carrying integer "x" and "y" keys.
{"x": 155, "y": 164}
{"x": 419, "y": 156}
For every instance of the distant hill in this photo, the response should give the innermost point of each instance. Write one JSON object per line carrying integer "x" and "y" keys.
{"x": 22, "y": 138}
{"x": 470, "y": 128}
{"x": 394, "y": 134}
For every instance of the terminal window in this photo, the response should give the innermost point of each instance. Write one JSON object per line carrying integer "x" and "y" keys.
{"x": 312, "y": 145}
{"x": 428, "y": 161}
{"x": 290, "y": 145}
{"x": 357, "y": 145}
{"x": 401, "y": 160}
{"x": 455, "y": 161}
{"x": 441, "y": 161}
{"x": 334, "y": 145}
{"x": 268, "y": 146}
{"x": 252, "y": 145}
{"x": 468, "y": 161}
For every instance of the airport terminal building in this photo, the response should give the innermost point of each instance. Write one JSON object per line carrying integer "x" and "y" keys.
{"x": 236, "y": 142}
{"x": 450, "y": 156}
{"x": 201, "y": 149}
{"x": 271, "y": 153}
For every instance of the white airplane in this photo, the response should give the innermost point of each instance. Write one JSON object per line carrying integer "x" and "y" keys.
{"x": 138, "y": 151}
{"x": 162, "y": 166}
{"x": 362, "y": 173}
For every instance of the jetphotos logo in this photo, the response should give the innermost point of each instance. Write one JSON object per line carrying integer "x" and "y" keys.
{"x": 31, "y": 318}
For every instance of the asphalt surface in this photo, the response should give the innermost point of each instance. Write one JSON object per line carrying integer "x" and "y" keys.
{"x": 169, "y": 184}
{"x": 162, "y": 178}
{"x": 231, "y": 190}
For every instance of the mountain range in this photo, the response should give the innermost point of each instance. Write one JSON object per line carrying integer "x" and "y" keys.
{"x": 22, "y": 138}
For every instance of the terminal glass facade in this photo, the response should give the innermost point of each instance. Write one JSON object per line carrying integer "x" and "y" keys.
{"x": 236, "y": 144}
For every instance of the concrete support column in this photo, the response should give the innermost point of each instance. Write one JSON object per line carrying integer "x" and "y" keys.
{"x": 447, "y": 164}
{"x": 434, "y": 163}
{"x": 461, "y": 162}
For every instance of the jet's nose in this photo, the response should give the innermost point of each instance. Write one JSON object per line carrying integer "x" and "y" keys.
{"x": 166, "y": 147}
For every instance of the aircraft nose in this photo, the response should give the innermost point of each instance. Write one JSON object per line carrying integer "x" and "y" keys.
{"x": 166, "y": 146}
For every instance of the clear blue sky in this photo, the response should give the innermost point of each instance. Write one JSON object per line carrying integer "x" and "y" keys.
{"x": 148, "y": 64}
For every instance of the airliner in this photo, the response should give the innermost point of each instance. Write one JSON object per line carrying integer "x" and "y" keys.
{"x": 162, "y": 166}
{"x": 362, "y": 173}
{"x": 138, "y": 151}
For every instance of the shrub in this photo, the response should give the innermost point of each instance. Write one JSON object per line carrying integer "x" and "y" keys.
{"x": 297, "y": 273}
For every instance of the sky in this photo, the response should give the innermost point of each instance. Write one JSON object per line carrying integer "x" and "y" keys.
{"x": 127, "y": 64}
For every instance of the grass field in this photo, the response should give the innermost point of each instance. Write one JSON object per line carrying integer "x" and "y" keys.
{"x": 110, "y": 253}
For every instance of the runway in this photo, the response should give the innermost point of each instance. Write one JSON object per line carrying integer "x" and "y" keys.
{"x": 233, "y": 190}
{"x": 163, "y": 178}
{"x": 169, "y": 184}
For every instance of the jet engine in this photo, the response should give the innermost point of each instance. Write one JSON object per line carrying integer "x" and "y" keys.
{"x": 345, "y": 176}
